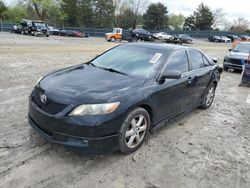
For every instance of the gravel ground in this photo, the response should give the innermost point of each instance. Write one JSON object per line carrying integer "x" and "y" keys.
{"x": 206, "y": 148}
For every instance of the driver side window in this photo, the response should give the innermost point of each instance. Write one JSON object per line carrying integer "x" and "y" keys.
{"x": 178, "y": 62}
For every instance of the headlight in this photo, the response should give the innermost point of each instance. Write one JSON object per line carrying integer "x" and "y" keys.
{"x": 226, "y": 59}
{"x": 94, "y": 109}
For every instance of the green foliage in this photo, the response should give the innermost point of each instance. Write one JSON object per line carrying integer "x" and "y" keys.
{"x": 103, "y": 13}
{"x": 16, "y": 13}
{"x": 176, "y": 21}
{"x": 3, "y": 8}
{"x": 190, "y": 23}
{"x": 156, "y": 16}
{"x": 126, "y": 19}
{"x": 202, "y": 19}
{"x": 88, "y": 13}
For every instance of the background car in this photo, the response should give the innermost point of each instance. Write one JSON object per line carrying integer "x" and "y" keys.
{"x": 215, "y": 38}
{"x": 233, "y": 37}
{"x": 184, "y": 38}
{"x": 112, "y": 102}
{"x": 63, "y": 32}
{"x": 79, "y": 34}
{"x": 245, "y": 37}
{"x": 15, "y": 29}
{"x": 225, "y": 39}
{"x": 142, "y": 34}
{"x": 163, "y": 35}
{"x": 53, "y": 30}
{"x": 237, "y": 56}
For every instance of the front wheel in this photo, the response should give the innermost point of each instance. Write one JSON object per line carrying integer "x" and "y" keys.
{"x": 112, "y": 39}
{"x": 134, "y": 130}
{"x": 209, "y": 97}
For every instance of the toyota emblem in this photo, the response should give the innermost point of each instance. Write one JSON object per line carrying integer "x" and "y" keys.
{"x": 43, "y": 98}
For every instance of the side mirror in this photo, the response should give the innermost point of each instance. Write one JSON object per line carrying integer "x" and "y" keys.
{"x": 172, "y": 74}
{"x": 214, "y": 59}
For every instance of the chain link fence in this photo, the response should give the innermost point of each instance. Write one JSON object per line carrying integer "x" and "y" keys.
{"x": 97, "y": 32}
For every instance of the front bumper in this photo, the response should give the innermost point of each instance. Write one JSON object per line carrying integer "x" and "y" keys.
{"x": 232, "y": 65}
{"x": 75, "y": 135}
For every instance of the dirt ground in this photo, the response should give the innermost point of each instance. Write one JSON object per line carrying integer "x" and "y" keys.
{"x": 206, "y": 148}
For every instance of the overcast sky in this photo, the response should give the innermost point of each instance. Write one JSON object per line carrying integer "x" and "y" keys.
{"x": 233, "y": 9}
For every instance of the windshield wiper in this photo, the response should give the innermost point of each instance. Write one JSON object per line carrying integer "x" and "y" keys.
{"x": 113, "y": 70}
{"x": 89, "y": 63}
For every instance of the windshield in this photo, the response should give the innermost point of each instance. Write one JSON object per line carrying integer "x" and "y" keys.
{"x": 130, "y": 60}
{"x": 40, "y": 25}
{"x": 242, "y": 47}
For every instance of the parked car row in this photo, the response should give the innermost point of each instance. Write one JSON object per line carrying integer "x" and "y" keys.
{"x": 31, "y": 27}
{"x": 216, "y": 38}
{"x": 144, "y": 35}
{"x": 228, "y": 38}
{"x": 70, "y": 33}
{"x": 40, "y": 28}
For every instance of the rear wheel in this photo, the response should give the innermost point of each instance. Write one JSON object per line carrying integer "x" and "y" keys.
{"x": 134, "y": 130}
{"x": 209, "y": 97}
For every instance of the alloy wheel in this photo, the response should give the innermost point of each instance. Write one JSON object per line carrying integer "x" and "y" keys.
{"x": 210, "y": 95}
{"x": 136, "y": 131}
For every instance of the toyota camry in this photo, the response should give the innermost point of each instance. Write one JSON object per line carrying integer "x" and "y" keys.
{"x": 112, "y": 102}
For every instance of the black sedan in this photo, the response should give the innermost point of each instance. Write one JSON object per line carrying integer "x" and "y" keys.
{"x": 142, "y": 34}
{"x": 112, "y": 102}
{"x": 183, "y": 38}
{"x": 215, "y": 38}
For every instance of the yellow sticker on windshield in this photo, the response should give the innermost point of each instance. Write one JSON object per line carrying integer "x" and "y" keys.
{"x": 155, "y": 58}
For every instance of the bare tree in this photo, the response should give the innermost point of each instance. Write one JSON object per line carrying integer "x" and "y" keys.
{"x": 138, "y": 6}
{"x": 240, "y": 25}
{"x": 218, "y": 18}
{"x": 120, "y": 6}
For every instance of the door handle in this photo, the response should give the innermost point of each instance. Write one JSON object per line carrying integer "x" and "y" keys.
{"x": 191, "y": 79}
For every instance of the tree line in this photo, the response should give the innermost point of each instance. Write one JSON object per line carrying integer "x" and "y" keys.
{"x": 118, "y": 13}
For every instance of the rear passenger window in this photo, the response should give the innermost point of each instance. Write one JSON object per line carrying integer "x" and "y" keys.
{"x": 196, "y": 58}
{"x": 178, "y": 61}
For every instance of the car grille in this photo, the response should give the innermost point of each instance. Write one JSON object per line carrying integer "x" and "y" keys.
{"x": 235, "y": 61}
{"x": 50, "y": 106}
{"x": 44, "y": 31}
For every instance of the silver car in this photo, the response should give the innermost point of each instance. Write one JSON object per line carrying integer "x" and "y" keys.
{"x": 237, "y": 56}
{"x": 163, "y": 35}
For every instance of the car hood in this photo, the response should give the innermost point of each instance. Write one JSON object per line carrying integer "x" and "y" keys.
{"x": 86, "y": 84}
{"x": 238, "y": 55}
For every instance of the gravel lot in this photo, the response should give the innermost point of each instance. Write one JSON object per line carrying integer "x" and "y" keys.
{"x": 206, "y": 148}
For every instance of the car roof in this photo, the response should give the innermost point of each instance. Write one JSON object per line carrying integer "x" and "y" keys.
{"x": 158, "y": 46}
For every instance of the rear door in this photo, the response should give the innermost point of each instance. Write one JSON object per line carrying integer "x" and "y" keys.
{"x": 201, "y": 73}
{"x": 173, "y": 95}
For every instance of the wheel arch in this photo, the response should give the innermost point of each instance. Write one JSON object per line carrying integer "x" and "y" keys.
{"x": 149, "y": 109}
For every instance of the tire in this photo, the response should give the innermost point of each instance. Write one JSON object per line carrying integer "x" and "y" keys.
{"x": 136, "y": 125}
{"x": 112, "y": 39}
{"x": 160, "y": 38}
{"x": 208, "y": 97}
{"x": 22, "y": 32}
